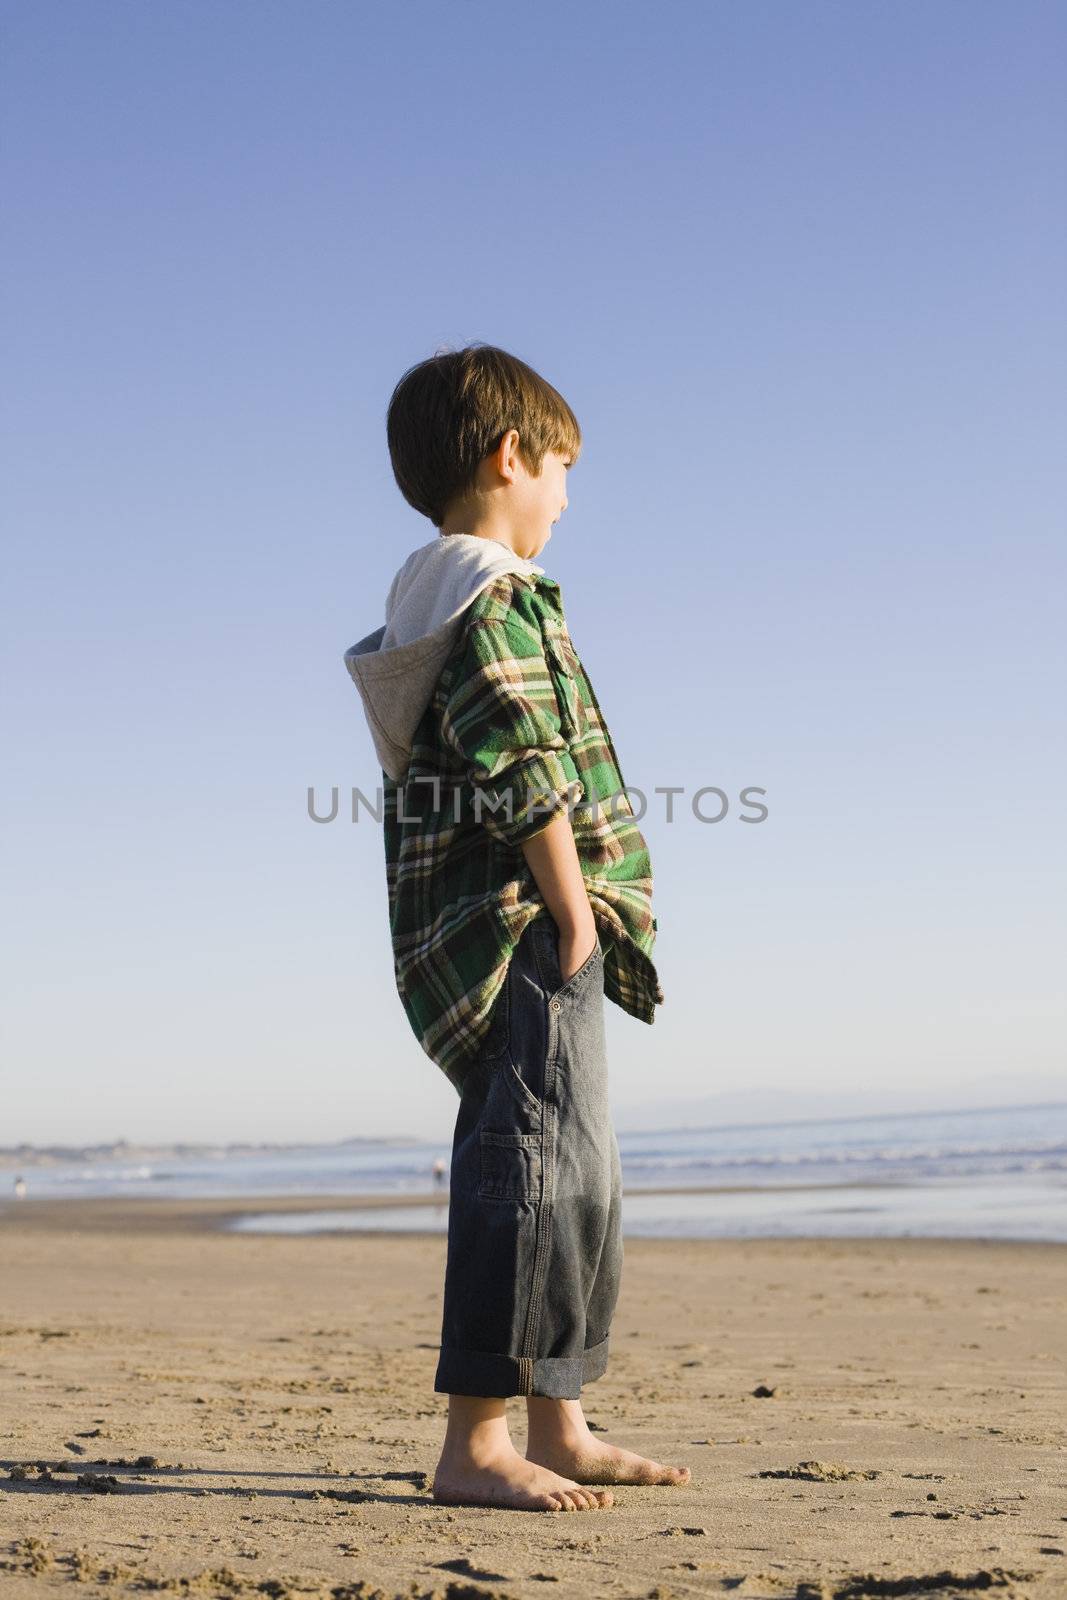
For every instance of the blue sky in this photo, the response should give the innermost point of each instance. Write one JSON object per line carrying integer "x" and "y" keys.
{"x": 797, "y": 268}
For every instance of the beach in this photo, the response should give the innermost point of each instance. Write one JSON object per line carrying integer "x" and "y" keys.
{"x": 197, "y": 1410}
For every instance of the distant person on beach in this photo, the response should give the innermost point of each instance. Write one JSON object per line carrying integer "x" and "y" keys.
{"x": 20, "y": 1188}
{"x": 520, "y": 896}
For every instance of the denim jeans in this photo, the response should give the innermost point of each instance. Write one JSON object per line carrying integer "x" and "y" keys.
{"x": 534, "y": 1222}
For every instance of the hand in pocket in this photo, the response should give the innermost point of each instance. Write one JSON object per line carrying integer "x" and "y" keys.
{"x": 575, "y": 950}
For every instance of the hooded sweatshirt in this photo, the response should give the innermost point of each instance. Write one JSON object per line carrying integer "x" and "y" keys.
{"x": 396, "y": 667}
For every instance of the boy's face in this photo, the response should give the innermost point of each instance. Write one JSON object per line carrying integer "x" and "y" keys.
{"x": 540, "y": 502}
{"x": 512, "y": 505}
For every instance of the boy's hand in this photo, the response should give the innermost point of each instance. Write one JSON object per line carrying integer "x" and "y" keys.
{"x": 552, "y": 857}
{"x": 575, "y": 949}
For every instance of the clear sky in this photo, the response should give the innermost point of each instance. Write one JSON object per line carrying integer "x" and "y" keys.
{"x": 799, "y": 271}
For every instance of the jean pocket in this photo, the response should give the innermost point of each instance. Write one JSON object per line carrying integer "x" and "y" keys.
{"x": 513, "y": 1106}
{"x": 552, "y": 972}
{"x": 592, "y": 960}
{"x": 510, "y": 1166}
{"x": 529, "y": 1094}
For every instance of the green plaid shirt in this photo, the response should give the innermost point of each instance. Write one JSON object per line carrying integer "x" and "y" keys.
{"x": 512, "y": 736}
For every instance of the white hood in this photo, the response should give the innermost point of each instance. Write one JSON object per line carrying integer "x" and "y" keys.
{"x": 396, "y": 667}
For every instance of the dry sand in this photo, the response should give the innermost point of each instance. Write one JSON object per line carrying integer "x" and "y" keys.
{"x": 208, "y": 1413}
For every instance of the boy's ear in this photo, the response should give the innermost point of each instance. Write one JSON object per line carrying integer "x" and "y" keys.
{"x": 508, "y": 456}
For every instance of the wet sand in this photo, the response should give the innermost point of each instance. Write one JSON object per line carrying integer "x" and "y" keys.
{"x": 204, "y": 1412}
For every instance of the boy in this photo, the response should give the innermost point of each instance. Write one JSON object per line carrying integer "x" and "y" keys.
{"x": 520, "y": 894}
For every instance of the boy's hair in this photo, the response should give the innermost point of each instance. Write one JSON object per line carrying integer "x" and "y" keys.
{"x": 449, "y": 412}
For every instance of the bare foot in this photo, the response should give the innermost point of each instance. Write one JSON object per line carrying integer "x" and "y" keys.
{"x": 592, "y": 1460}
{"x": 504, "y": 1478}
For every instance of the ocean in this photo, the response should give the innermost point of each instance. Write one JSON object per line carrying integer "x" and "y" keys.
{"x": 997, "y": 1174}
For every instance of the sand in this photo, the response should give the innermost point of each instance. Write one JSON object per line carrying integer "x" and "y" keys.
{"x": 206, "y": 1413}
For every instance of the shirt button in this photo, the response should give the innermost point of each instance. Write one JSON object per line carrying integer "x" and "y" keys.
{"x": 556, "y": 1005}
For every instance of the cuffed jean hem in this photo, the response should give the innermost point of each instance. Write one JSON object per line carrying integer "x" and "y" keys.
{"x": 480, "y": 1372}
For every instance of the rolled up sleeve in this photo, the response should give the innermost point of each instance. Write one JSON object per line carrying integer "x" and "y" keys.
{"x": 502, "y": 721}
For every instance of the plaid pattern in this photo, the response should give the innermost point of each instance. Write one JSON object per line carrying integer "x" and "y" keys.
{"x": 512, "y": 736}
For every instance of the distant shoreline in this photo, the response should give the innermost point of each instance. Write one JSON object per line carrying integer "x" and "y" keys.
{"x": 14, "y": 1157}
{"x": 29, "y": 1155}
{"x": 214, "y": 1214}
